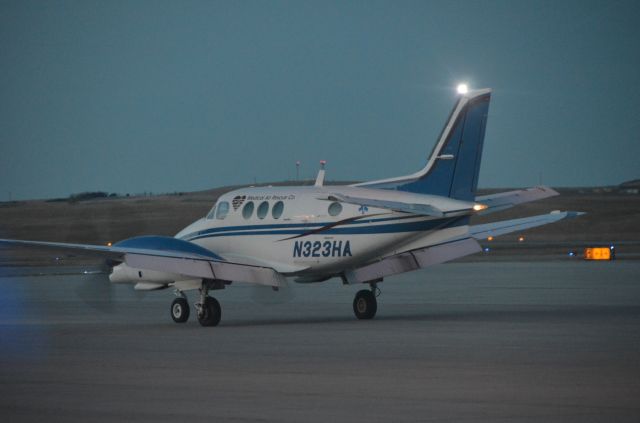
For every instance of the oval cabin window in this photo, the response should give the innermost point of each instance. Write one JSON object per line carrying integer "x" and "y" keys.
{"x": 247, "y": 210}
{"x": 277, "y": 210}
{"x": 263, "y": 209}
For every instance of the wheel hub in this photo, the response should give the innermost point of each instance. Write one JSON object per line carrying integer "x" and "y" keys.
{"x": 177, "y": 310}
{"x": 362, "y": 305}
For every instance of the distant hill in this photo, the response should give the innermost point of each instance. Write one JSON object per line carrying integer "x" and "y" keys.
{"x": 631, "y": 184}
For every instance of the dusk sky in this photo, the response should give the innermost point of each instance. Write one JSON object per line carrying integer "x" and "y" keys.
{"x": 164, "y": 96}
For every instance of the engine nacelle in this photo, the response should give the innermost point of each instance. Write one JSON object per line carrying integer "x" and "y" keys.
{"x": 125, "y": 274}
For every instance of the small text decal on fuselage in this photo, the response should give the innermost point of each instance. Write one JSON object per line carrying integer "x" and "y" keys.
{"x": 322, "y": 249}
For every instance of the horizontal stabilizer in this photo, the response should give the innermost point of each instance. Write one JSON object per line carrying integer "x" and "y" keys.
{"x": 422, "y": 209}
{"x": 505, "y": 200}
{"x": 507, "y": 226}
{"x": 424, "y": 205}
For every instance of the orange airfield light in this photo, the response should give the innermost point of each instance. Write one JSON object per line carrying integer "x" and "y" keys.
{"x": 597, "y": 253}
{"x": 489, "y": 238}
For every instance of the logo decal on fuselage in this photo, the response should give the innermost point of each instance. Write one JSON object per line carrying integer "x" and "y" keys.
{"x": 322, "y": 249}
{"x": 237, "y": 201}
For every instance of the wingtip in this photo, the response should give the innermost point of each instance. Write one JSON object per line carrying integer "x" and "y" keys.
{"x": 569, "y": 214}
{"x": 550, "y": 191}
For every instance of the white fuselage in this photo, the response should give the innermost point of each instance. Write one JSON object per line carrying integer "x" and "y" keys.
{"x": 300, "y": 231}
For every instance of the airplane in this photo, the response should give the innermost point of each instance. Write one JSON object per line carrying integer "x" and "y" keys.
{"x": 361, "y": 233}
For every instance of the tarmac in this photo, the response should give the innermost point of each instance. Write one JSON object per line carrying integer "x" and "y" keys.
{"x": 459, "y": 342}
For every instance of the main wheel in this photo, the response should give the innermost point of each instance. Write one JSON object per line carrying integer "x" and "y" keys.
{"x": 180, "y": 310}
{"x": 365, "y": 304}
{"x": 211, "y": 312}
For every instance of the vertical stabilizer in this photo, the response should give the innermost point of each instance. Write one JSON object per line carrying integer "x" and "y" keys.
{"x": 454, "y": 165}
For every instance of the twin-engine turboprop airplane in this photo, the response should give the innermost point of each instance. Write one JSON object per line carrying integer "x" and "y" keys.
{"x": 360, "y": 233}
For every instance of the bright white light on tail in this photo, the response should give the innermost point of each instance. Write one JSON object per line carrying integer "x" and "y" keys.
{"x": 462, "y": 89}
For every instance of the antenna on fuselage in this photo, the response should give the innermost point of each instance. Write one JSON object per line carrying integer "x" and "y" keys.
{"x": 320, "y": 177}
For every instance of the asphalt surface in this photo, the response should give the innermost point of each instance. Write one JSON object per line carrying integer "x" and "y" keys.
{"x": 538, "y": 341}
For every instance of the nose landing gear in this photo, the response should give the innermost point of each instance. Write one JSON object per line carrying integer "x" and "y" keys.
{"x": 180, "y": 310}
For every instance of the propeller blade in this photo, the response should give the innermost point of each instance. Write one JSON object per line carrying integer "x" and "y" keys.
{"x": 97, "y": 291}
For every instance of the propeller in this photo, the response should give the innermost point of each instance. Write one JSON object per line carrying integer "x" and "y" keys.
{"x": 96, "y": 225}
{"x": 97, "y": 291}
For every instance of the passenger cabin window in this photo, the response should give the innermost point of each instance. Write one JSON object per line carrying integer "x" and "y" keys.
{"x": 335, "y": 209}
{"x": 223, "y": 210}
{"x": 247, "y": 210}
{"x": 277, "y": 209}
{"x": 263, "y": 209}
{"x": 212, "y": 212}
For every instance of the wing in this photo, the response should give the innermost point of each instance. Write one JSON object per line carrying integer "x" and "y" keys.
{"x": 413, "y": 260}
{"x": 505, "y": 200}
{"x": 452, "y": 243}
{"x": 165, "y": 254}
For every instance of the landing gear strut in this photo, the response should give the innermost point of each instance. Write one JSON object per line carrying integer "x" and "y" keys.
{"x": 209, "y": 310}
{"x": 365, "y": 304}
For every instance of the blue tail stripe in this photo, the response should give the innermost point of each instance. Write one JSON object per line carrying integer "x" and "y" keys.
{"x": 457, "y": 178}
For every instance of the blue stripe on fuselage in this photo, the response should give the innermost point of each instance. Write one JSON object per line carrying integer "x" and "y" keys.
{"x": 301, "y": 226}
{"x": 423, "y": 225}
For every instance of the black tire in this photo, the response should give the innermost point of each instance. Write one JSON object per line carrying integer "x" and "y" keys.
{"x": 179, "y": 310}
{"x": 365, "y": 305}
{"x": 211, "y": 312}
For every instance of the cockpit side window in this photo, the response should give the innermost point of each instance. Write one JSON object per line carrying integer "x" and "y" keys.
{"x": 223, "y": 210}
{"x": 212, "y": 212}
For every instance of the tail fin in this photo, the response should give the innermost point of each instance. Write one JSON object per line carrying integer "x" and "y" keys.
{"x": 454, "y": 164}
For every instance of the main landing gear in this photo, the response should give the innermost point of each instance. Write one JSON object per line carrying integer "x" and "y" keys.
{"x": 365, "y": 304}
{"x": 208, "y": 309}
{"x": 209, "y": 312}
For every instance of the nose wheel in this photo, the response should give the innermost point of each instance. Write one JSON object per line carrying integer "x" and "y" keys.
{"x": 365, "y": 305}
{"x": 180, "y": 310}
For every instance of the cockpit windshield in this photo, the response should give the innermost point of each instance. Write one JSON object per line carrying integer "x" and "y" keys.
{"x": 212, "y": 212}
{"x": 223, "y": 210}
